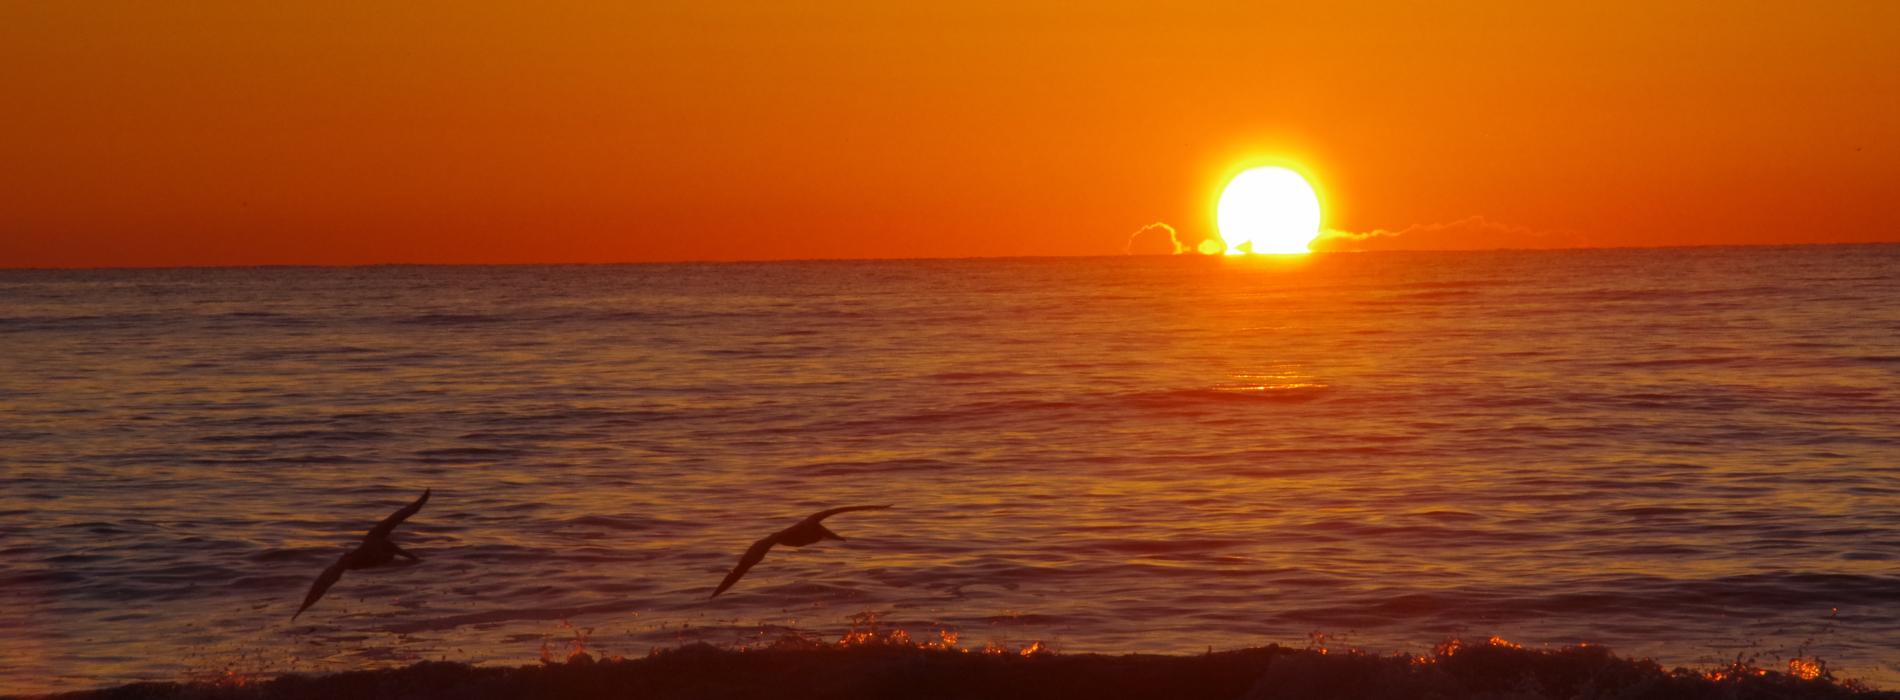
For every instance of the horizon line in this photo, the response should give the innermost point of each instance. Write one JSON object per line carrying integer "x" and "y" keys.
{"x": 756, "y": 261}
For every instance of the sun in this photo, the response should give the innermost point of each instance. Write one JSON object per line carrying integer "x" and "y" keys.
{"x": 1267, "y": 210}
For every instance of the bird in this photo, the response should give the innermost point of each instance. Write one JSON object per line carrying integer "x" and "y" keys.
{"x": 376, "y": 550}
{"x": 807, "y": 531}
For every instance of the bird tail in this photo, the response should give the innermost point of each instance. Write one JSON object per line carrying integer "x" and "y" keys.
{"x": 826, "y": 533}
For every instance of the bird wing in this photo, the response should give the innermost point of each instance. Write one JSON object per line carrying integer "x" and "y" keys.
{"x": 389, "y": 524}
{"x": 752, "y": 556}
{"x": 323, "y": 583}
{"x": 821, "y": 515}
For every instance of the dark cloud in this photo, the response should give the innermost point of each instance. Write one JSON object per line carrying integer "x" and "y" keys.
{"x": 1469, "y": 233}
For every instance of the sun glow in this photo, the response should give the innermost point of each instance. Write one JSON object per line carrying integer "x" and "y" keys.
{"x": 1267, "y": 210}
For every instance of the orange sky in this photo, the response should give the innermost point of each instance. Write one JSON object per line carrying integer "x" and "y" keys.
{"x": 149, "y": 133}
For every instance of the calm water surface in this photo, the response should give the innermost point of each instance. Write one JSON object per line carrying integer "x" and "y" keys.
{"x": 1691, "y": 454}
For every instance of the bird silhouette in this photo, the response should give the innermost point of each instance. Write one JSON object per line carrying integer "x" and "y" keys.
{"x": 376, "y": 550}
{"x": 807, "y": 531}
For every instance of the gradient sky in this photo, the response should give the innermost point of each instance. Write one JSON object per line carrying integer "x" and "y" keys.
{"x": 206, "y": 133}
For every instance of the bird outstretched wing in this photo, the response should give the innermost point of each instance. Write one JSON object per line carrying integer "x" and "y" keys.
{"x": 323, "y": 583}
{"x": 752, "y": 556}
{"x": 821, "y": 515}
{"x": 389, "y": 524}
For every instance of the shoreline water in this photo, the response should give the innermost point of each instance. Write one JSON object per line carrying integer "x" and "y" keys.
{"x": 875, "y": 665}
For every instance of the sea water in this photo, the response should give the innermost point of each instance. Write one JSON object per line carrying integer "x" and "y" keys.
{"x": 1686, "y": 454}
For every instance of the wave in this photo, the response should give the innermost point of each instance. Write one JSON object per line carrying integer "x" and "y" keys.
{"x": 450, "y": 319}
{"x": 1684, "y": 361}
{"x": 874, "y": 663}
{"x": 1631, "y": 597}
{"x": 318, "y": 435}
{"x": 465, "y": 454}
{"x": 852, "y": 467}
{"x": 494, "y": 616}
{"x": 974, "y": 377}
{"x": 630, "y": 523}
{"x": 1298, "y": 392}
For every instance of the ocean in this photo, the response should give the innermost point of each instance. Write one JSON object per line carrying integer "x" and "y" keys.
{"x": 1688, "y": 454}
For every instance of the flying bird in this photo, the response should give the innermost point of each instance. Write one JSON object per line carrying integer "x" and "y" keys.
{"x": 805, "y": 532}
{"x": 376, "y": 550}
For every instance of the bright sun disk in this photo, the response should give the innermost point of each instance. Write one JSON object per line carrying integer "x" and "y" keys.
{"x": 1267, "y": 210}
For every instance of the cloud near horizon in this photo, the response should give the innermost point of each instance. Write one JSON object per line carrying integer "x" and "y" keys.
{"x": 1159, "y": 238}
{"x": 1470, "y": 233}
